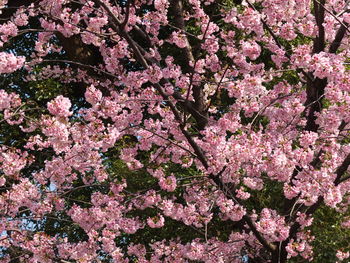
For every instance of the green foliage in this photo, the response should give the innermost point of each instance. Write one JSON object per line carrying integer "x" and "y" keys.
{"x": 329, "y": 234}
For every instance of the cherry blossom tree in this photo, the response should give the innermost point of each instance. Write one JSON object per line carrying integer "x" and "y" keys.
{"x": 228, "y": 119}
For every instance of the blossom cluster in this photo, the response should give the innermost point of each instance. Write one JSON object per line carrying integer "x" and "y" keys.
{"x": 240, "y": 139}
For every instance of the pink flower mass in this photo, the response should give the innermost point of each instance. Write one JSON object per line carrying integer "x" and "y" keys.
{"x": 60, "y": 107}
{"x": 10, "y": 63}
{"x": 174, "y": 131}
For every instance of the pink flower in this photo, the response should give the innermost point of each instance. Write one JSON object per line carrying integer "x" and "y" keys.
{"x": 168, "y": 183}
{"x": 241, "y": 194}
{"x": 346, "y": 223}
{"x": 307, "y": 139}
{"x": 13, "y": 118}
{"x": 93, "y": 95}
{"x": 10, "y": 63}
{"x": 346, "y": 17}
{"x": 161, "y": 5}
{"x": 12, "y": 162}
{"x": 178, "y": 39}
{"x": 333, "y": 196}
{"x": 4, "y": 100}
{"x": 287, "y": 32}
{"x": 342, "y": 255}
{"x": 272, "y": 225}
{"x": 8, "y": 29}
{"x": 154, "y": 74}
{"x": 60, "y": 106}
{"x": 195, "y": 251}
{"x": 156, "y": 221}
{"x": 2, "y": 181}
{"x": 251, "y": 50}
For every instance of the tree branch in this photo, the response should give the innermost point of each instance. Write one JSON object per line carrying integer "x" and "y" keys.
{"x": 319, "y": 41}
{"x": 341, "y": 170}
{"x": 197, "y": 150}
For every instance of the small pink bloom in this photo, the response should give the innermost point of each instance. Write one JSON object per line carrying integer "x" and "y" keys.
{"x": 156, "y": 221}
{"x": 60, "y": 106}
{"x": 2, "y": 181}
{"x": 93, "y": 95}
{"x": 168, "y": 183}
{"x": 4, "y": 100}
{"x": 342, "y": 255}
{"x": 10, "y": 63}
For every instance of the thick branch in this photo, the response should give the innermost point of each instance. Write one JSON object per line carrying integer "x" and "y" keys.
{"x": 342, "y": 169}
{"x": 315, "y": 88}
{"x": 319, "y": 41}
{"x": 338, "y": 39}
{"x": 201, "y": 113}
{"x": 179, "y": 22}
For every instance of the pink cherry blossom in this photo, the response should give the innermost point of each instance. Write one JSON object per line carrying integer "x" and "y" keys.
{"x": 93, "y": 95}
{"x": 229, "y": 121}
{"x": 342, "y": 255}
{"x": 168, "y": 183}
{"x": 60, "y": 106}
{"x": 156, "y": 221}
{"x": 10, "y": 63}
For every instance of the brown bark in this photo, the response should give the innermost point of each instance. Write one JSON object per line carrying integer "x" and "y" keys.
{"x": 199, "y": 109}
